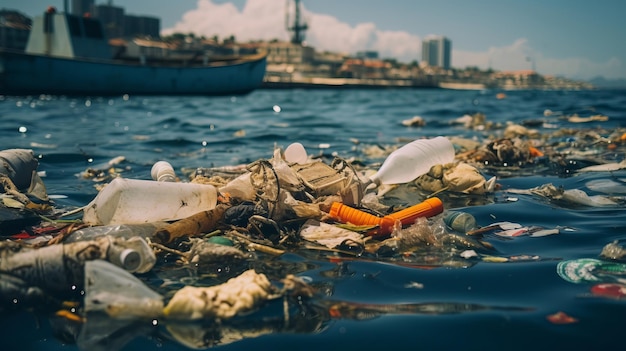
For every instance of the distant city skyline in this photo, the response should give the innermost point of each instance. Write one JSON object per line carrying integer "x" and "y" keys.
{"x": 572, "y": 38}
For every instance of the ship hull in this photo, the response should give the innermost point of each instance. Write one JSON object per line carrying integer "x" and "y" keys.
{"x": 22, "y": 73}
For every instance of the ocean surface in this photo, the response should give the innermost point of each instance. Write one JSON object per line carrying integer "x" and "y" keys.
{"x": 506, "y": 300}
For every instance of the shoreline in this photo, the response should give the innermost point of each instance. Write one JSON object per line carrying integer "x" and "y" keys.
{"x": 352, "y": 83}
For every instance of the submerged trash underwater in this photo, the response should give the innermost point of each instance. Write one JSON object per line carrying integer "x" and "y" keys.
{"x": 509, "y": 225}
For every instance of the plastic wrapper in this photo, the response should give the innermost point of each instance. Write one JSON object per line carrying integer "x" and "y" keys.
{"x": 237, "y": 295}
{"x": 117, "y": 293}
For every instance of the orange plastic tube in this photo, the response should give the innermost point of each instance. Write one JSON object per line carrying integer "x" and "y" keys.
{"x": 427, "y": 208}
{"x": 347, "y": 214}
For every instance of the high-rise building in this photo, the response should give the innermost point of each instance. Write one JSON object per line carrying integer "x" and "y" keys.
{"x": 80, "y": 7}
{"x": 436, "y": 51}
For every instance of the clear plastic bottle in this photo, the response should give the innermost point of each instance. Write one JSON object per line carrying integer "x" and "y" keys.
{"x": 461, "y": 222}
{"x": 142, "y": 230}
{"x": 414, "y": 159}
{"x": 131, "y": 201}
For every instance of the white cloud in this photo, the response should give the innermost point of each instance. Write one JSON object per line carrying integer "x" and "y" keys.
{"x": 581, "y": 68}
{"x": 265, "y": 20}
{"x": 258, "y": 20}
{"x": 520, "y": 55}
{"x": 516, "y": 56}
{"x": 328, "y": 33}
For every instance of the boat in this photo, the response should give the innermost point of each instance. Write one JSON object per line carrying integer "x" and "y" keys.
{"x": 70, "y": 55}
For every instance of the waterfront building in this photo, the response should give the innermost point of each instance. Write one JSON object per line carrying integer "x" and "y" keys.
{"x": 517, "y": 79}
{"x": 367, "y": 55}
{"x": 286, "y": 58}
{"x": 286, "y": 52}
{"x": 436, "y": 51}
{"x": 365, "y": 69}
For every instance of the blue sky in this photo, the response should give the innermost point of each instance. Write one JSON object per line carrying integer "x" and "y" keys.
{"x": 572, "y": 38}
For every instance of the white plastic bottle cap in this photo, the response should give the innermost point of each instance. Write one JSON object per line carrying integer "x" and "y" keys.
{"x": 163, "y": 171}
{"x": 130, "y": 260}
{"x": 296, "y": 153}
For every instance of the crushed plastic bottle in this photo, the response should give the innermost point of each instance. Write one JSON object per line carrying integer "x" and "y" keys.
{"x": 414, "y": 159}
{"x": 130, "y": 201}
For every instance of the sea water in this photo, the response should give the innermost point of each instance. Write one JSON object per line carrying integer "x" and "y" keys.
{"x": 475, "y": 305}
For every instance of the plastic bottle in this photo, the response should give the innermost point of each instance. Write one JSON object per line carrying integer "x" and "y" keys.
{"x": 346, "y": 214}
{"x": 130, "y": 201}
{"x": 143, "y": 230}
{"x": 459, "y": 221}
{"x": 162, "y": 171}
{"x": 414, "y": 159}
{"x": 134, "y": 254}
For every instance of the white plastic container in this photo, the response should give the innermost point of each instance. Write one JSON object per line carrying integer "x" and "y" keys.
{"x": 129, "y": 201}
{"x": 414, "y": 159}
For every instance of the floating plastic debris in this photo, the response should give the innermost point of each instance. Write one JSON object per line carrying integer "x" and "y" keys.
{"x": 327, "y": 234}
{"x": 594, "y": 118}
{"x": 561, "y": 318}
{"x": 571, "y": 196}
{"x": 608, "y": 167}
{"x": 614, "y": 251}
{"x": 416, "y": 121}
{"x": 585, "y": 270}
{"x": 118, "y": 293}
{"x": 609, "y": 290}
{"x": 240, "y": 294}
{"x": 608, "y": 186}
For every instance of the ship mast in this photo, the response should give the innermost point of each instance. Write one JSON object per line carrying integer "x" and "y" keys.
{"x": 298, "y": 27}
